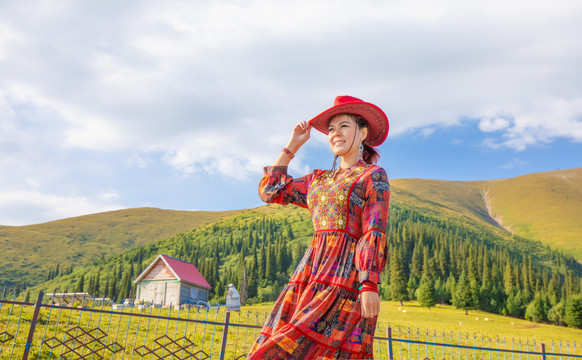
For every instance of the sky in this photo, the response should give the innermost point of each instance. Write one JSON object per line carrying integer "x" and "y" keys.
{"x": 179, "y": 105}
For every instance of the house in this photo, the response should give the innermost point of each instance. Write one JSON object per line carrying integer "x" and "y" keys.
{"x": 169, "y": 281}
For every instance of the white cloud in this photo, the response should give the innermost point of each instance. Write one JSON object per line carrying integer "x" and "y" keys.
{"x": 427, "y": 131}
{"x": 539, "y": 124}
{"x": 495, "y": 124}
{"x": 108, "y": 195}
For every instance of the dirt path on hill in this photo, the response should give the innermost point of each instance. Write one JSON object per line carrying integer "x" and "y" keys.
{"x": 494, "y": 219}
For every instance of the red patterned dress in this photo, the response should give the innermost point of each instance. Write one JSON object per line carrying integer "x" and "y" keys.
{"x": 317, "y": 315}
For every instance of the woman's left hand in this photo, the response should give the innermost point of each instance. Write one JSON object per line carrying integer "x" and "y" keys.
{"x": 370, "y": 303}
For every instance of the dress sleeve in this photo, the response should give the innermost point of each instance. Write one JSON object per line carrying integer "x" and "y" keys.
{"x": 371, "y": 250}
{"x": 279, "y": 188}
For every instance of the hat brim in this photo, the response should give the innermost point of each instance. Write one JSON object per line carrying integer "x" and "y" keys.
{"x": 377, "y": 120}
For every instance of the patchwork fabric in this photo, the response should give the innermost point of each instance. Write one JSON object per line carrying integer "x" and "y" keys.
{"x": 317, "y": 315}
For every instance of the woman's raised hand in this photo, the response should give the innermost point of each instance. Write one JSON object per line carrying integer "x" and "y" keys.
{"x": 299, "y": 136}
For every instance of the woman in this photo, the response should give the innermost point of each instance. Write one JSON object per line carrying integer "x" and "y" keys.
{"x": 330, "y": 306}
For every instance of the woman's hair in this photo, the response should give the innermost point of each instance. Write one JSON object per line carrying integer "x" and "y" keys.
{"x": 370, "y": 155}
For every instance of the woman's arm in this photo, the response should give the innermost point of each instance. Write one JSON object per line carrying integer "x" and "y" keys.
{"x": 371, "y": 251}
{"x": 299, "y": 136}
{"x": 278, "y": 187}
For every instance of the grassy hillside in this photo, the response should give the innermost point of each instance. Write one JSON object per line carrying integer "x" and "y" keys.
{"x": 28, "y": 252}
{"x": 545, "y": 207}
{"x": 459, "y": 199}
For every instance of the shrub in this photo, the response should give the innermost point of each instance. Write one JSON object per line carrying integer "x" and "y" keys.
{"x": 573, "y": 315}
{"x": 557, "y": 313}
{"x": 535, "y": 310}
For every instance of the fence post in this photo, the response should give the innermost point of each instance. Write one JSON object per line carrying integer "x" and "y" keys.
{"x": 543, "y": 346}
{"x": 224, "y": 334}
{"x": 32, "y": 325}
{"x": 390, "y": 355}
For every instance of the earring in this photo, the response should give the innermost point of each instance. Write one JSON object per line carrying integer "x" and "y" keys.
{"x": 361, "y": 150}
{"x": 332, "y": 174}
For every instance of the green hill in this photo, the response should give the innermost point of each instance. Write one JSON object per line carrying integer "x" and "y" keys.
{"x": 545, "y": 206}
{"x": 29, "y": 252}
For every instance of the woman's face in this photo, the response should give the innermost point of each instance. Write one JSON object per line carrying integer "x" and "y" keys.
{"x": 344, "y": 135}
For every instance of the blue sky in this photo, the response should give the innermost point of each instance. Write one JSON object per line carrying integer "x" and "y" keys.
{"x": 178, "y": 105}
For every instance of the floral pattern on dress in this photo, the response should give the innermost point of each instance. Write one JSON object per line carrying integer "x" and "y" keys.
{"x": 328, "y": 198}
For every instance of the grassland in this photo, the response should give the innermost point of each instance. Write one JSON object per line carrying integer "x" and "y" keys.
{"x": 29, "y": 252}
{"x": 446, "y": 318}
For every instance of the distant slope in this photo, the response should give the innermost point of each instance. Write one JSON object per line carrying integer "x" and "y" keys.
{"x": 546, "y": 207}
{"x": 456, "y": 198}
{"x": 543, "y": 206}
{"x": 28, "y": 252}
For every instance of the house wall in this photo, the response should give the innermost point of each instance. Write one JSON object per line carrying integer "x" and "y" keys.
{"x": 169, "y": 292}
{"x": 159, "y": 271}
{"x": 191, "y": 292}
{"x": 163, "y": 292}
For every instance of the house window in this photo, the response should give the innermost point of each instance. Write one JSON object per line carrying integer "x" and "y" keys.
{"x": 194, "y": 293}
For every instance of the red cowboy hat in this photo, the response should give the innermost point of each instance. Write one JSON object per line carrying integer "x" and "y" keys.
{"x": 377, "y": 120}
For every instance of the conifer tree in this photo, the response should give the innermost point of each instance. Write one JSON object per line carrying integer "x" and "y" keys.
{"x": 535, "y": 310}
{"x": 411, "y": 286}
{"x": 398, "y": 291}
{"x": 573, "y": 315}
{"x": 96, "y": 286}
{"x": 112, "y": 293}
{"x": 105, "y": 291}
{"x": 80, "y": 284}
{"x": 508, "y": 279}
{"x": 263, "y": 263}
{"x": 27, "y": 295}
{"x": 252, "y": 281}
{"x": 91, "y": 285}
{"x": 463, "y": 298}
{"x": 443, "y": 262}
{"x": 417, "y": 260}
{"x": 242, "y": 274}
{"x": 271, "y": 264}
{"x": 426, "y": 292}
{"x": 557, "y": 313}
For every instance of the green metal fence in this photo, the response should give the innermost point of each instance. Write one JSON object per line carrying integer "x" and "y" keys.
{"x": 45, "y": 331}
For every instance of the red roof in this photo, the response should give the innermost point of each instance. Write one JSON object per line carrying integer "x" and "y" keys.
{"x": 183, "y": 270}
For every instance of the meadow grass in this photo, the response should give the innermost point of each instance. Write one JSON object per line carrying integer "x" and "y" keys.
{"x": 446, "y": 318}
